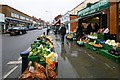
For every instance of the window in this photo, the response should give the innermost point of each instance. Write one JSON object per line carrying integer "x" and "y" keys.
{"x": 14, "y": 15}
{"x": 22, "y": 17}
{"x": 27, "y": 19}
{"x": 31, "y": 20}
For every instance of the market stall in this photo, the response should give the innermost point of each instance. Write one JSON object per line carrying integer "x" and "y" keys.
{"x": 42, "y": 60}
{"x": 97, "y": 43}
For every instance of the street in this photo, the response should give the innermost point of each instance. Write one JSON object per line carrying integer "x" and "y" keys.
{"x": 11, "y": 48}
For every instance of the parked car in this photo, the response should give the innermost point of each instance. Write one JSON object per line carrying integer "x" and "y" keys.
{"x": 35, "y": 27}
{"x": 17, "y": 30}
{"x": 39, "y": 28}
{"x": 31, "y": 28}
{"x": 9, "y": 29}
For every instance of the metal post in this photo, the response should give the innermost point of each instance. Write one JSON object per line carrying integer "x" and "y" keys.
{"x": 24, "y": 56}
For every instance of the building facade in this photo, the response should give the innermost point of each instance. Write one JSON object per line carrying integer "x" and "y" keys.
{"x": 2, "y": 22}
{"x": 105, "y": 13}
{"x": 14, "y": 17}
{"x": 68, "y": 20}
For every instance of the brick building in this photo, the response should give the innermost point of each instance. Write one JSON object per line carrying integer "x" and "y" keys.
{"x": 14, "y": 17}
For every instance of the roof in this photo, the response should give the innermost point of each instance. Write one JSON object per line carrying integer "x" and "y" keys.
{"x": 16, "y": 10}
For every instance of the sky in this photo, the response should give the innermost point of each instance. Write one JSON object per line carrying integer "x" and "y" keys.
{"x": 44, "y": 9}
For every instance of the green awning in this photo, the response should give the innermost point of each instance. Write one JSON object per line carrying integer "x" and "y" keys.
{"x": 96, "y": 7}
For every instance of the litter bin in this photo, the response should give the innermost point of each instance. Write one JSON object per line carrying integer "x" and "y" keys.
{"x": 24, "y": 56}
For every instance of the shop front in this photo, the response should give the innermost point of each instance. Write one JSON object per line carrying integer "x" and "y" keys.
{"x": 11, "y": 22}
{"x": 93, "y": 18}
{"x": 101, "y": 38}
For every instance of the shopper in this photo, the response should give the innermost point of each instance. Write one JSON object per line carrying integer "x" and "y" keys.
{"x": 62, "y": 32}
{"x": 48, "y": 29}
{"x": 79, "y": 31}
{"x": 97, "y": 27}
{"x": 89, "y": 28}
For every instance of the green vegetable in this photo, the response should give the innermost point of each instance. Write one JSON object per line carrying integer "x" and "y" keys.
{"x": 42, "y": 59}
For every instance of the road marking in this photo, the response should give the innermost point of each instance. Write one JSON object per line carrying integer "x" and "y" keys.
{"x": 29, "y": 49}
{"x": 107, "y": 65}
{"x": 91, "y": 56}
{"x": 19, "y": 58}
{"x": 14, "y": 62}
{"x": 10, "y": 72}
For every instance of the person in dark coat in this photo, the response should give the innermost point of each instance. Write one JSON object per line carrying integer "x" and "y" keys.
{"x": 79, "y": 31}
{"x": 62, "y": 32}
{"x": 89, "y": 28}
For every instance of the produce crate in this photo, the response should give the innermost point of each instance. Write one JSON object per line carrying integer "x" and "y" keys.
{"x": 98, "y": 50}
{"x": 36, "y": 59}
{"x": 92, "y": 48}
{"x": 112, "y": 57}
{"x": 87, "y": 45}
{"x": 43, "y": 63}
{"x": 33, "y": 59}
{"x": 107, "y": 47}
{"x": 101, "y": 36}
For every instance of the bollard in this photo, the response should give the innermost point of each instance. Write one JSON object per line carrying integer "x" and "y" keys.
{"x": 24, "y": 56}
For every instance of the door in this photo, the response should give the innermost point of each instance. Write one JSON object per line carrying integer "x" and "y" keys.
{"x": 119, "y": 23}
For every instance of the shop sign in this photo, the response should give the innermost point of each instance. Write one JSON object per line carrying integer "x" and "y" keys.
{"x": 2, "y": 17}
{"x": 101, "y": 5}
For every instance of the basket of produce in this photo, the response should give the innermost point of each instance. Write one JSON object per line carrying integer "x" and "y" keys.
{"x": 80, "y": 43}
{"x": 97, "y": 45}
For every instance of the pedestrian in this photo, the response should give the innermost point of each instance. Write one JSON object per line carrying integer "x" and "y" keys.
{"x": 48, "y": 29}
{"x": 62, "y": 32}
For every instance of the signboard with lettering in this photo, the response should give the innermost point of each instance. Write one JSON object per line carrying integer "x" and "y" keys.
{"x": 2, "y": 17}
{"x": 99, "y": 6}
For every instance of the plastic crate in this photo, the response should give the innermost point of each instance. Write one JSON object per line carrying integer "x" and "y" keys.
{"x": 92, "y": 48}
{"x": 87, "y": 45}
{"x": 33, "y": 59}
{"x": 43, "y": 63}
{"x": 107, "y": 47}
{"x": 112, "y": 57}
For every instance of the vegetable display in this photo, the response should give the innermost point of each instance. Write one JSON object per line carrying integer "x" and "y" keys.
{"x": 42, "y": 48}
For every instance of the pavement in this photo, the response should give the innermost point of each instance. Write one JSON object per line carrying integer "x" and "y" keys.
{"x": 77, "y": 62}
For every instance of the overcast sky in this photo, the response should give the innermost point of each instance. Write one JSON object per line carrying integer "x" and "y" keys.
{"x": 44, "y": 9}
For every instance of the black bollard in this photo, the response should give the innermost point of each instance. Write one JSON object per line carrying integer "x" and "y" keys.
{"x": 24, "y": 56}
